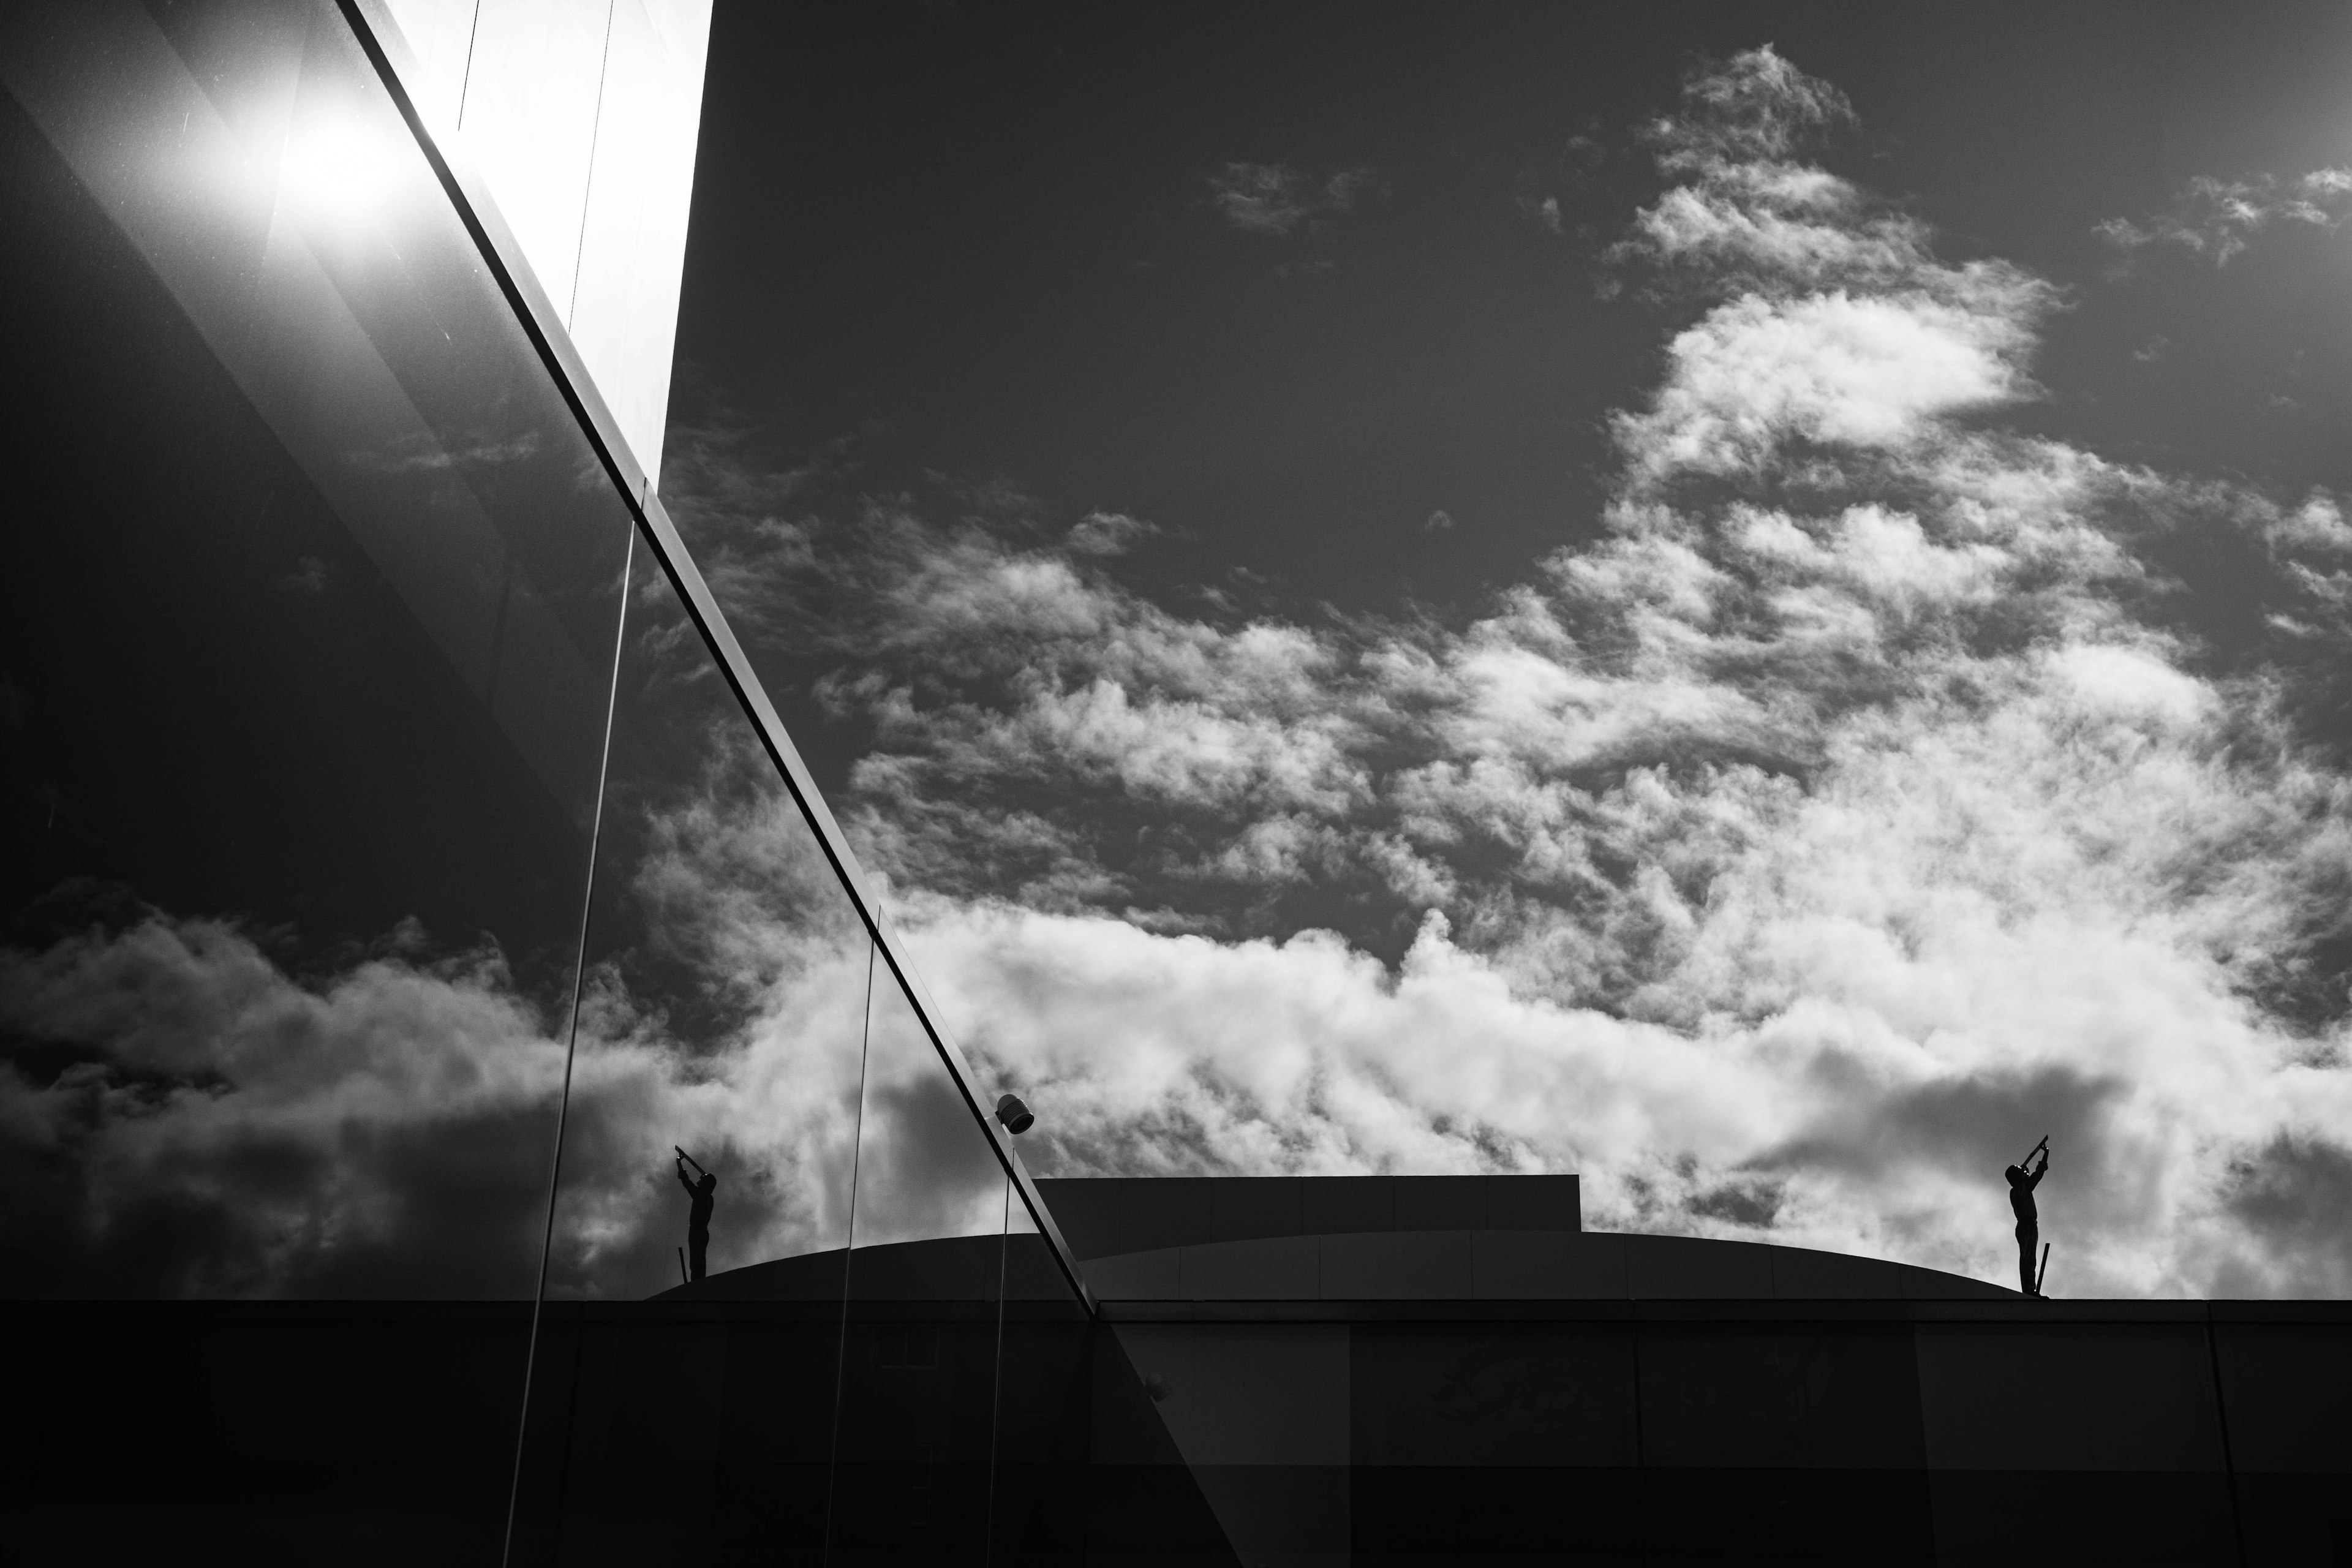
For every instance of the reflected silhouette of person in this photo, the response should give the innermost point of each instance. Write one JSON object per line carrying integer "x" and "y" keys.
{"x": 698, "y": 1218}
{"x": 2022, "y": 1180}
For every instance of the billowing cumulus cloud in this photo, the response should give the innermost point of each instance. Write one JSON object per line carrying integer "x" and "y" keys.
{"x": 1864, "y": 804}
{"x": 1863, "y": 801}
{"x": 220, "y": 1130}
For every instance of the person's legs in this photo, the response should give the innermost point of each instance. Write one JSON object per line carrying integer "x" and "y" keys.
{"x": 2028, "y": 1233}
{"x": 697, "y": 1242}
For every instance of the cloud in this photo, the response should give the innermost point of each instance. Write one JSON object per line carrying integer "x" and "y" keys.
{"x": 1276, "y": 200}
{"x": 1863, "y": 804}
{"x": 1541, "y": 214}
{"x": 215, "y": 1129}
{"x": 1870, "y": 371}
{"x": 209, "y": 1125}
{"x": 2215, "y": 219}
{"x": 1108, "y": 534}
{"x": 1867, "y": 798}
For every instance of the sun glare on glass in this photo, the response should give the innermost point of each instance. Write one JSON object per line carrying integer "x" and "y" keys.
{"x": 343, "y": 167}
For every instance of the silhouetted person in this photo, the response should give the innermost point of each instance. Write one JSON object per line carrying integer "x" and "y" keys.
{"x": 698, "y": 1218}
{"x": 2022, "y": 1180}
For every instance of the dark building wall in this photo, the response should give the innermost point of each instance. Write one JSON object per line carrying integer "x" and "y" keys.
{"x": 1893, "y": 1432}
{"x": 1102, "y": 1215}
{"x": 696, "y": 1432}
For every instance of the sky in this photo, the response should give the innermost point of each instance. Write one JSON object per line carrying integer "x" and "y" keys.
{"x": 1747, "y": 602}
{"x": 1744, "y": 601}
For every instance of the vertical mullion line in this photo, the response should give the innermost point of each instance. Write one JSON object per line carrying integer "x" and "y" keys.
{"x": 465, "y": 81}
{"x": 2221, "y": 1419}
{"x": 570, "y": 1042}
{"x": 841, "y": 1344}
{"x": 588, "y": 189}
{"x": 996, "y": 1388}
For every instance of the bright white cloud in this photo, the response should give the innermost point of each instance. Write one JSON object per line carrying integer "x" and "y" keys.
{"x": 1836, "y": 369}
{"x": 1858, "y": 807}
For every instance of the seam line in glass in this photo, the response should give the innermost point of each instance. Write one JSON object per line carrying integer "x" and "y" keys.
{"x": 570, "y": 1050}
{"x": 381, "y": 39}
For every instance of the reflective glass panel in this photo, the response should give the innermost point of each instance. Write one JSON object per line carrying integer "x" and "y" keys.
{"x": 712, "y": 1125}
{"x": 1042, "y": 1398}
{"x": 304, "y": 656}
{"x": 926, "y": 1270}
{"x": 724, "y": 1031}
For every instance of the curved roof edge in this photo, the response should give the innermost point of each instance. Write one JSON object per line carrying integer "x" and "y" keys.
{"x": 1514, "y": 1265}
{"x": 1360, "y": 1265}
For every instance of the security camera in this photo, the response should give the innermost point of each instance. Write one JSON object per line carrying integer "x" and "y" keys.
{"x": 1013, "y": 1114}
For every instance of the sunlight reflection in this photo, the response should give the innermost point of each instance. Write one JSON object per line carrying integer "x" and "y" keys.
{"x": 343, "y": 167}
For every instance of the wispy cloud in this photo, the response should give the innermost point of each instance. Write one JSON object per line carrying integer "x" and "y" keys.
{"x": 1279, "y": 200}
{"x": 2214, "y": 219}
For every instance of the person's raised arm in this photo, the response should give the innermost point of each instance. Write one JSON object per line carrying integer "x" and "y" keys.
{"x": 2038, "y": 1172}
{"x": 683, "y": 1179}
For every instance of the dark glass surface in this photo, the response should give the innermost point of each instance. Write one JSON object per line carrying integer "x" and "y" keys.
{"x": 1502, "y": 1440}
{"x": 2285, "y": 1385}
{"x": 1827, "y": 1396}
{"x": 2080, "y": 1396}
{"x": 1260, "y": 1414}
{"x": 1044, "y": 1391}
{"x": 913, "y": 1459}
{"x": 305, "y": 648}
{"x": 1985, "y": 1518}
{"x": 1510, "y": 1395}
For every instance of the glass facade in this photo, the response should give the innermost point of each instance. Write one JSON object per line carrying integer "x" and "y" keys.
{"x": 403, "y": 899}
{"x": 308, "y": 648}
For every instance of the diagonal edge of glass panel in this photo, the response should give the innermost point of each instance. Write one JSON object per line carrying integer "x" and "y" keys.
{"x": 334, "y": 724}
{"x": 712, "y": 1131}
{"x": 381, "y": 37}
{"x": 722, "y": 1037}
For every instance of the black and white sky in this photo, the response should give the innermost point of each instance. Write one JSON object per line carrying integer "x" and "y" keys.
{"x": 1749, "y": 600}
{"x": 1752, "y": 602}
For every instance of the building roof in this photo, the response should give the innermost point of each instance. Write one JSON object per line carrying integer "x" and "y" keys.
{"x": 1355, "y": 1238}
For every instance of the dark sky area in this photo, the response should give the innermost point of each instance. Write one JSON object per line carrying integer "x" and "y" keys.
{"x": 1762, "y": 624}
{"x": 981, "y": 243}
